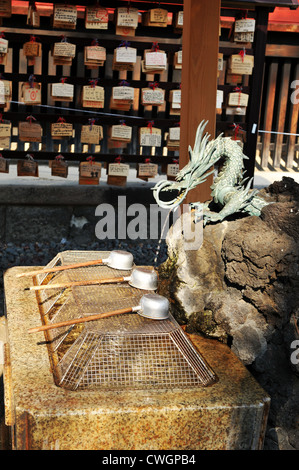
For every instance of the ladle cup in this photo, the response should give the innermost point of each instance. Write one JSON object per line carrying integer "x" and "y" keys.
{"x": 141, "y": 278}
{"x": 152, "y": 306}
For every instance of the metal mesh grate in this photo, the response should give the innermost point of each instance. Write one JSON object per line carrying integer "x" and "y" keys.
{"x": 121, "y": 352}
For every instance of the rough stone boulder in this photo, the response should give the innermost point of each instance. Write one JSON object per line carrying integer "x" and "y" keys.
{"x": 242, "y": 287}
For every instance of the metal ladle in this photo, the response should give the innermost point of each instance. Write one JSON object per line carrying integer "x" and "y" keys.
{"x": 141, "y": 278}
{"x": 118, "y": 259}
{"x": 152, "y": 306}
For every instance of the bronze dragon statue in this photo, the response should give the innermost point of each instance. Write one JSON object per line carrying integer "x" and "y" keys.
{"x": 228, "y": 189}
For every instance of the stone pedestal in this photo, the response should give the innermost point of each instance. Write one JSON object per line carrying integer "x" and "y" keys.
{"x": 230, "y": 414}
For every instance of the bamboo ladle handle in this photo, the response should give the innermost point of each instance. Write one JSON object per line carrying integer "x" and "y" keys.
{"x": 96, "y": 316}
{"x": 64, "y": 285}
{"x": 60, "y": 268}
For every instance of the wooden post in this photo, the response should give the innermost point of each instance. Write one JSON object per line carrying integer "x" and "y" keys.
{"x": 199, "y": 79}
{"x": 256, "y": 89}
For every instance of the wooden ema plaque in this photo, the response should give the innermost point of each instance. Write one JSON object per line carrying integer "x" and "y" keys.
{"x": 126, "y": 19}
{"x": 147, "y": 170}
{"x": 27, "y": 167}
{"x": 62, "y": 91}
{"x": 5, "y": 92}
{"x": 61, "y": 130}
{"x": 4, "y": 166}
{"x": 30, "y": 131}
{"x": 93, "y": 96}
{"x": 173, "y": 138}
{"x": 96, "y": 17}
{"x": 5, "y": 133}
{"x": 124, "y": 58}
{"x": 156, "y": 17}
{"x": 178, "y": 60}
{"x": 150, "y": 137}
{"x": 152, "y": 96}
{"x": 59, "y": 167}
{"x": 239, "y": 64}
{"x": 63, "y": 53}
{"x": 175, "y": 102}
{"x": 154, "y": 61}
{"x": 65, "y": 16}
{"x": 117, "y": 174}
{"x": 237, "y": 98}
{"x": 121, "y": 133}
{"x": 94, "y": 56}
{"x": 31, "y": 93}
{"x": 33, "y": 17}
{"x": 178, "y": 22}
{"x": 91, "y": 134}
{"x": 172, "y": 171}
{"x": 5, "y": 9}
{"x": 90, "y": 172}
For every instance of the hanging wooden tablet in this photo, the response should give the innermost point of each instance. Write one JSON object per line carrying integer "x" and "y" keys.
{"x": 244, "y": 30}
{"x": 90, "y": 171}
{"x": 91, "y": 133}
{"x": 241, "y": 64}
{"x": 4, "y": 165}
{"x": 5, "y": 92}
{"x": 178, "y": 60}
{"x": 178, "y": 22}
{"x": 126, "y": 21}
{"x": 118, "y": 173}
{"x": 121, "y": 133}
{"x": 156, "y": 17}
{"x": 96, "y": 17}
{"x": 31, "y": 50}
{"x": 93, "y": 96}
{"x": 237, "y": 98}
{"x": 220, "y": 62}
{"x": 61, "y": 129}
{"x": 150, "y": 136}
{"x": 27, "y": 167}
{"x": 5, "y": 133}
{"x": 124, "y": 57}
{"x": 63, "y": 52}
{"x": 33, "y": 17}
{"x": 31, "y": 92}
{"x": 173, "y": 139}
{"x": 147, "y": 170}
{"x": 65, "y": 16}
{"x": 219, "y": 101}
{"x": 153, "y": 95}
{"x": 5, "y": 9}
{"x": 175, "y": 102}
{"x": 94, "y": 55}
{"x": 122, "y": 96}
{"x": 172, "y": 171}
{"x": 155, "y": 60}
{"x": 30, "y": 130}
{"x": 233, "y": 79}
{"x": 59, "y": 167}
{"x": 3, "y": 49}
{"x": 62, "y": 91}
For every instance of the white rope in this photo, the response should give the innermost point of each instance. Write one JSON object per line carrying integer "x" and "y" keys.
{"x": 279, "y": 133}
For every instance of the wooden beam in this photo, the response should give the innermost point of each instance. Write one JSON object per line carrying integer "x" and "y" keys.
{"x": 254, "y": 107}
{"x": 199, "y": 79}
